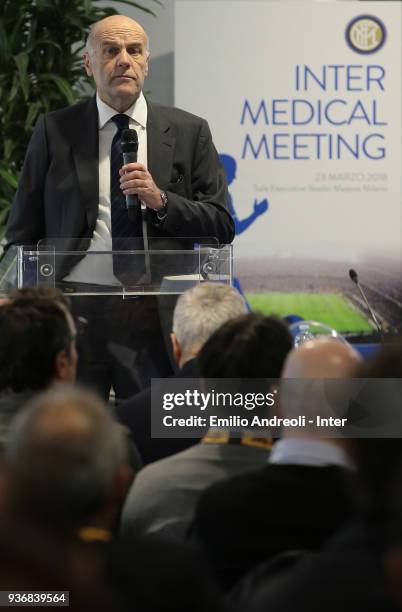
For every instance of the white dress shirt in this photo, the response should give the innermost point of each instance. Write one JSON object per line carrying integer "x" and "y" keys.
{"x": 298, "y": 451}
{"x": 98, "y": 269}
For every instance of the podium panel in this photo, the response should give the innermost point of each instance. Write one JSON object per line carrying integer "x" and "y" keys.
{"x": 122, "y": 299}
{"x": 122, "y": 271}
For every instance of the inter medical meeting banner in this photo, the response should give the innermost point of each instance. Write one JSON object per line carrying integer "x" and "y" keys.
{"x": 304, "y": 103}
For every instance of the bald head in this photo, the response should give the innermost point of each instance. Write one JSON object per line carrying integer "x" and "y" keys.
{"x": 116, "y": 57}
{"x": 66, "y": 449}
{"x": 321, "y": 358}
{"x": 115, "y": 24}
{"x": 304, "y": 390}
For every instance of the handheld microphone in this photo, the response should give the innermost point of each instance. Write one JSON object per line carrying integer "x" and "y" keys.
{"x": 355, "y": 279}
{"x": 129, "y": 147}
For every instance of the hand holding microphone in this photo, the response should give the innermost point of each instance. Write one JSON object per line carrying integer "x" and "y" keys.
{"x": 135, "y": 180}
{"x": 129, "y": 147}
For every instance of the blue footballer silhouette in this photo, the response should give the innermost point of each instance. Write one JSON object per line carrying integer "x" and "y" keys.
{"x": 259, "y": 208}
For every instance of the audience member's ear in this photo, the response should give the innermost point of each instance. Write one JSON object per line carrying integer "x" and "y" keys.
{"x": 66, "y": 365}
{"x": 177, "y": 354}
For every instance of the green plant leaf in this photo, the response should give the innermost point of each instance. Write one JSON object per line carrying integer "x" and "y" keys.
{"x": 140, "y": 6}
{"x": 22, "y": 60}
{"x": 45, "y": 42}
{"x": 33, "y": 112}
{"x": 3, "y": 39}
{"x": 62, "y": 84}
{"x": 14, "y": 89}
{"x": 10, "y": 178}
{"x": 4, "y": 214}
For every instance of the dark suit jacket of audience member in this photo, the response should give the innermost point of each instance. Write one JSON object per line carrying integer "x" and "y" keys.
{"x": 346, "y": 576}
{"x": 151, "y": 574}
{"x": 135, "y": 413}
{"x": 250, "y": 518}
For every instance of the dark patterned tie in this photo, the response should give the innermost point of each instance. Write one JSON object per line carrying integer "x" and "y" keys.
{"x": 126, "y": 234}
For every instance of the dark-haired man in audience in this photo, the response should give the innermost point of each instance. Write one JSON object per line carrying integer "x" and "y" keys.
{"x": 198, "y": 313}
{"x": 37, "y": 348}
{"x": 163, "y": 497}
{"x": 302, "y": 496}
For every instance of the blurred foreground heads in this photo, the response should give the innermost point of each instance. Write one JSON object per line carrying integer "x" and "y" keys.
{"x": 68, "y": 476}
{"x": 69, "y": 461}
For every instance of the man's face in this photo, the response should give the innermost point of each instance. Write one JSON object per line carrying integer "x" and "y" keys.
{"x": 118, "y": 60}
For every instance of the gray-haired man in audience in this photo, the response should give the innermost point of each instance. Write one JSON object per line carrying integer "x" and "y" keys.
{"x": 164, "y": 494}
{"x": 199, "y": 312}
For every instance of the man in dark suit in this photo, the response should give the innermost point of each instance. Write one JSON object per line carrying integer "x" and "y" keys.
{"x": 303, "y": 495}
{"x": 73, "y": 185}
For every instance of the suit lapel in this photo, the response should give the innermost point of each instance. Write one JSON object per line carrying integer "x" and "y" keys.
{"x": 85, "y": 149}
{"x": 160, "y": 148}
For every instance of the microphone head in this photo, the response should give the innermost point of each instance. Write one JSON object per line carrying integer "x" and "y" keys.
{"x": 129, "y": 141}
{"x": 353, "y": 276}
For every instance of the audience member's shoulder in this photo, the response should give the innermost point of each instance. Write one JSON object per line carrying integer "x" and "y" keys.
{"x": 349, "y": 578}
{"x": 234, "y": 495}
{"x": 159, "y": 471}
{"x": 128, "y": 407}
{"x": 153, "y": 573}
{"x": 188, "y": 454}
{"x": 279, "y": 485}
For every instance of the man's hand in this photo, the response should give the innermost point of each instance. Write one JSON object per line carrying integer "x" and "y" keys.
{"x": 135, "y": 179}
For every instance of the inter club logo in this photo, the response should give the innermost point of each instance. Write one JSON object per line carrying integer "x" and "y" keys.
{"x": 366, "y": 34}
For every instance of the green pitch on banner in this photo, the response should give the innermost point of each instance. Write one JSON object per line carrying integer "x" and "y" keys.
{"x": 329, "y": 308}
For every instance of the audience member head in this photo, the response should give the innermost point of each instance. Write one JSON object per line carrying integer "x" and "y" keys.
{"x": 321, "y": 358}
{"x": 250, "y": 346}
{"x": 379, "y": 460}
{"x": 304, "y": 391}
{"x": 46, "y": 293}
{"x": 37, "y": 341}
{"x": 199, "y": 312}
{"x": 68, "y": 458}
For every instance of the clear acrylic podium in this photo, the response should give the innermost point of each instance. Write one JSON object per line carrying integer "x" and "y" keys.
{"x": 126, "y": 296}
{"x": 161, "y": 269}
